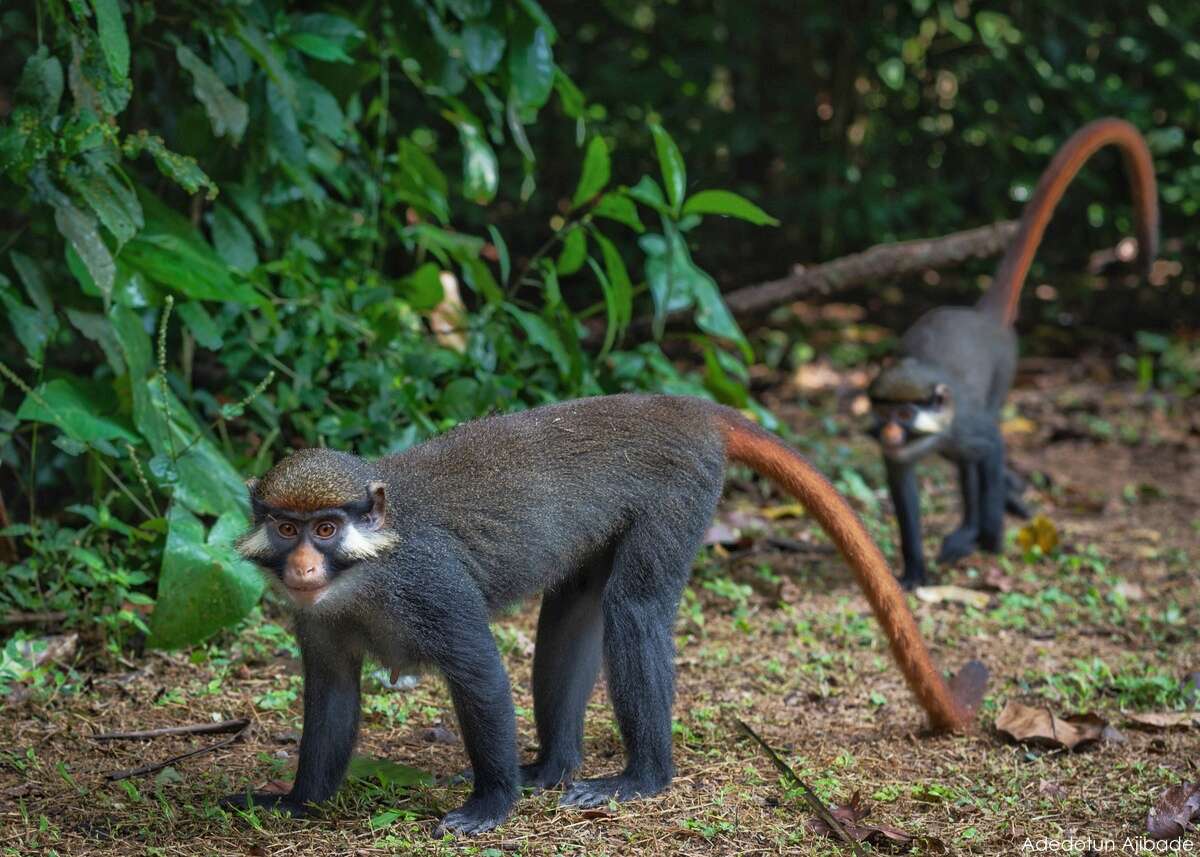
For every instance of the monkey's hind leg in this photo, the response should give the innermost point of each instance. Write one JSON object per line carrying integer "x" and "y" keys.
{"x": 993, "y": 493}
{"x": 565, "y": 664}
{"x": 963, "y": 541}
{"x": 640, "y": 601}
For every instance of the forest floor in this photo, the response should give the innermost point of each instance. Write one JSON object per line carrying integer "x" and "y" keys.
{"x": 772, "y": 631}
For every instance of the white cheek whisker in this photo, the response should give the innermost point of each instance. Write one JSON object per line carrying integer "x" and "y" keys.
{"x": 254, "y": 544}
{"x": 359, "y": 545}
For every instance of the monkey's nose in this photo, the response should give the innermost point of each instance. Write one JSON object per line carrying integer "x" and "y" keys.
{"x": 892, "y": 435}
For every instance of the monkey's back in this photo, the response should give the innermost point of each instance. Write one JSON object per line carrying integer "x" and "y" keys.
{"x": 972, "y": 348}
{"x": 538, "y": 494}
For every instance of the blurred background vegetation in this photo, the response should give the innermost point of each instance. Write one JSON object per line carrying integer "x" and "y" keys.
{"x": 231, "y": 229}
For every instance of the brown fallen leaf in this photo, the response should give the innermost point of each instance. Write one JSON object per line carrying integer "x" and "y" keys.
{"x": 1039, "y": 532}
{"x": 1040, "y": 727}
{"x": 1129, "y": 591}
{"x": 1175, "y": 812}
{"x": 995, "y": 579}
{"x": 881, "y": 836}
{"x": 1161, "y": 720}
{"x": 1049, "y": 788}
{"x": 952, "y": 595}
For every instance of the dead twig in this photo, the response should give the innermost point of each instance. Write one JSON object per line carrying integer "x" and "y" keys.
{"x": 191, "y": 729}
{"x": 814, "y": 802}
{"x": 158, "y": 766}
{"x": 51, "y": 618}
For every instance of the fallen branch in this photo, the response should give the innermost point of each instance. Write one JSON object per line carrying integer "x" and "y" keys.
{"x": 191, "y": 729}
{"x": 814, "y": 802}
{"x": 158, "y": 766}
{"x": 875, "y": 263}
{"x": 50, "y": 618}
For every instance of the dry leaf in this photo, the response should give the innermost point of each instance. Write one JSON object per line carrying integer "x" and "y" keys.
{"x": 1165, "y": 720}
{"x": 1040, "y": 727}
{"x": 790, "y": 510}
{"x": 952, "y": 595}
{"x": 448, "y": 319}
{"x": 995, "y": 578}
{"x": 1049, "y": 788}
{"x": 1175, "y": 812}
{"x": 882, "y": 836}
{"x": 1040, "y": 532}
{"x": 1018, "y": 425}
{"x": 53, "y": 649}
{"x": 1129, "y": 591}
{"x": 721, "y": 533}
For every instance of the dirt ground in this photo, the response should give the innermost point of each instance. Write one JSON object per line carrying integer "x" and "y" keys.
{"x": 772, "y": 631}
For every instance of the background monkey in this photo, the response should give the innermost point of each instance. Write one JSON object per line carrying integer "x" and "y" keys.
{"x": 601, "y": 504}
{"x": 956, "y": 364}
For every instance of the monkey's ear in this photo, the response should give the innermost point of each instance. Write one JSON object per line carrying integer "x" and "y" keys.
{"x": 377, "y": 491}
{"x": 257, "y": 508}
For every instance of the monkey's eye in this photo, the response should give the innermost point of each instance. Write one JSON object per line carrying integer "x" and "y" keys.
{"x": 287, "y": 529}
{"x": 907, "y": 413}
{"x": 325, "y": 530}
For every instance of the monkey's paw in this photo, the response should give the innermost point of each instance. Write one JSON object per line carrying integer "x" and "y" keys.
{"x": 477, "y": 815}
{"x": 597, "y": 792}
{"x": 264, "y": 800}
{"x": 960, "y": 543}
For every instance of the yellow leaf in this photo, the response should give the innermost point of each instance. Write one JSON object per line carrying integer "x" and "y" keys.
{"x": 1039, "y": 532}
{"x": 1018, "y": 425}
{"x": 775, "y": 513}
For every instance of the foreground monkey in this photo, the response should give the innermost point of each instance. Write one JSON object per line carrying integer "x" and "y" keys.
{"x": 956, "y": 365}
{"x": 601, "y": 504}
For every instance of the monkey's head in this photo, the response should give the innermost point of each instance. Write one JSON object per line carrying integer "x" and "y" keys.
{"x": 317, "y": 513}
{"x": 911, "y": 409}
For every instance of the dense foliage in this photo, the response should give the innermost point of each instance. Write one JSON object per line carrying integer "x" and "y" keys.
{"x": 236, "y": 229}
{"x": 229, "y": 229}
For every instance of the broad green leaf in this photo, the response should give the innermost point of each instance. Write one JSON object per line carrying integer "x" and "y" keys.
{"x": 530, "y": 63}
{"x": 727, "y": 390}
{"x": 319, "y": 109}
{"x": 33, "y": 329}
{"x": 201, "y": 324}
{"x": 479, "y": 277}
{"x": 596, "y": 171}
{"x": 98, "y": 329}
{"x": 114, "y": 42}
{"x": 204, "y": 585}
{"x": 573, "y": 253}
{"x": 181, "y": 169}
{"x": 420, "y": 182}
{"x": 387, "y": 773}
{"x": 616, "y": 206}
{"x": 266, "y": 54}
{"x": 670, "y": 162}
{"x": 423, "y": 287}
{"x": 83, "y": 410}
{"x": 534, "y": 10}
{"x": 543, "y": 336}
{"x": 233, "y": 241}
{"x": 618, "y": 276}
{"x": 612, "y": 311}
{"x": 341, "y": 31}
{"x": 82, "y": 233}
{"x": 227, "y": 113}
{"x": 729, "y": 204}
{"x": 459, "y": 399}
{"x": 569, "y": 95}
{"x": 481, "y": 173}
{"x": 115, "y": 204}
{"x": 648, "y": 193}
{"x": 467, "y": 10}
{"x": 318, "y": 47}
{"x": 482, "y": 46}
{"x": 34, "y": 282}
{"x": 42, "y": 81}
{"x": 891, "y": 72}
{"x": 501, "y": 252}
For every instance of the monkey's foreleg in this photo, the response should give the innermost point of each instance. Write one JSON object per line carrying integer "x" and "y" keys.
{"x": 993, "y": 491}
{"x": 902, "y": 485}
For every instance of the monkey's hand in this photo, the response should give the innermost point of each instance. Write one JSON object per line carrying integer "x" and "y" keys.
{"x": 477, "y": 815}
{"x": 283, "y": 803}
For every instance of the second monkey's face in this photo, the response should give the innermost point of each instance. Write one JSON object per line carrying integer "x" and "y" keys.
{"x": 307, "y": 551}
{"x": 909, "y": 426}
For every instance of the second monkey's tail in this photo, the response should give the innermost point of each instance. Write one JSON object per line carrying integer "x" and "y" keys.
{"x": 948, "y": 709}
{"x": 1001, "y": 299}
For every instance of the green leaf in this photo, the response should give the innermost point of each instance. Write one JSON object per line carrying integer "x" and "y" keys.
{"x": 612, "y": 311}
{"x": 569, "y": 95}
{"x": 33, "y": 329}
{"x": 596, "y": 171}
{"x": 419, "y": 181}
{"x": 341, "y": 31}
{"x": 387, "y": 773}
{"x": 83, "y": 410}
{"x": 459, "y": 399}
{"x": 233, "y": 241}
{"x": 530, "y": 63}
{"x": 534, "y": 10}
{"x": 727, "y": 203}
{"x": 318, "y": 47}
{"x": 34, "y": 282}
{"x": 501, "y": 252}
{"x": 423, "y": 287}
{"x": 727, "y": 390}
{"x": 467, "y": 10}
{"x": 648, "y": 193}
{"x": 482, "y": 46}
{"x": 481, "y": 172}
{"x": 204, "y": 585}
{"x": 42, "y": 81}
{"x": 573, "y": 253}
{"x": 618, "y": 276}
{"x": 542, "y": 335}
{"x": 266, "y": 54}
{"x": 113, "y": 202}
{"x": 201, "y": 324}
{"x": 479, "y": 277}
{"x": 114, "y": 42}
{"x": 620, "y": 208}
{"x": 891, "y": 72}
{"x": 83, "y": 235}
{"x": 670, "y": 162}
{"x": 98, "y": 329}
{"x": 227, "y": 113}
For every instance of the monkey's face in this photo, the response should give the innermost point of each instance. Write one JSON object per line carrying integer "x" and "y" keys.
{"x": 306, "y": 551}
{"x": 908, "y": 428}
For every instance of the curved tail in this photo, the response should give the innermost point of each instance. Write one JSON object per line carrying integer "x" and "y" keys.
{"x": 948, "y": 709}
{"x": 1001, "y": 299}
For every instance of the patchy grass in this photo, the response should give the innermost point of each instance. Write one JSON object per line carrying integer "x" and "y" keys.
{"x": 777, "y": 636}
